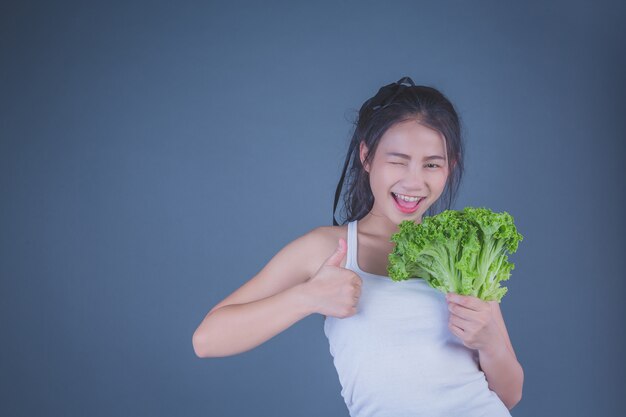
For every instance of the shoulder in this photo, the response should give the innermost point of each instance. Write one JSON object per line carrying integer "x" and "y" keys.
{"x": 326, "y": 234}
{"x": 326, "y": 239}
{"x": 309, "y": 250}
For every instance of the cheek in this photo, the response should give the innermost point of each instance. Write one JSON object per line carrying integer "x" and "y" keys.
{"x": 382, "y": 179}
{"x": 439, "y": 181}
{"x": 378, "y": 184}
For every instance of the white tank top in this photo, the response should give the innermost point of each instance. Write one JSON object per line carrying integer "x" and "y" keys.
{"x": 396, "y": 357}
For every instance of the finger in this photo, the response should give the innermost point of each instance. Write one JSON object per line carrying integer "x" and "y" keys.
{"x": 467, "y": 301}
{"x": 338, "y": 255}
{"x": 464, "y": 312}
{"x": 456, "y": 330}
{"x": 459, "y": 321}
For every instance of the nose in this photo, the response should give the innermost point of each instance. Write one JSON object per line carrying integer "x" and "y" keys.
{"x": 415, "y": 180}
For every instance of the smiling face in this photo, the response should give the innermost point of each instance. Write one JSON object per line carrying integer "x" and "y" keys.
{"x": 411, "y": 160}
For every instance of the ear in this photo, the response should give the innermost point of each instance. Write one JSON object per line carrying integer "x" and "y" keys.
{"x": 363, "y": 151}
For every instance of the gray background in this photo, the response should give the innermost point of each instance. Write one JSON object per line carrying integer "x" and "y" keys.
{"x": 153, "y": 157}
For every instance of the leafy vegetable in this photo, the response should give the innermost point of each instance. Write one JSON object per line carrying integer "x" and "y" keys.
{"x": 464, "y": 252}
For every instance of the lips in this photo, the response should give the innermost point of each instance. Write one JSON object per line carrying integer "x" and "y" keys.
{"x": 405, "y": 206}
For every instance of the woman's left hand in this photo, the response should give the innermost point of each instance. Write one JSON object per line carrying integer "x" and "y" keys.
{"x": 472, "y": 320}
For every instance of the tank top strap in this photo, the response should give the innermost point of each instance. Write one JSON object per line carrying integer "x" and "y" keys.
{"x": 351, "y": 260}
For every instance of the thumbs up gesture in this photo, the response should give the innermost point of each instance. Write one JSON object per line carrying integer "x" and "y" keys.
{"x": 335, "y": 291}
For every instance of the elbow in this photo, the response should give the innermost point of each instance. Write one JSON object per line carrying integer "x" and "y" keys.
{"x": 200, "y": 338}
{"x": 512, "y": 405}
{"x": 518, "y": 398}
{"x": 199, "y": 345}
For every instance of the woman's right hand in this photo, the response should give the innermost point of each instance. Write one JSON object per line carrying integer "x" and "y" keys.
{"x": 333, "y": 290}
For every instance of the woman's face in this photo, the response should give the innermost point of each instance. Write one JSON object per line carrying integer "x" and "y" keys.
{"x": 410, "y": 160}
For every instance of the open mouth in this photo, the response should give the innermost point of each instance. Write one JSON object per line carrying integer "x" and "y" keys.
{"x": 407, "y": 206}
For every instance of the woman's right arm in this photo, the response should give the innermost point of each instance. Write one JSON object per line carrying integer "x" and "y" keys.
{"x": 277, "y": 297}
{"x": 236, "y": 328}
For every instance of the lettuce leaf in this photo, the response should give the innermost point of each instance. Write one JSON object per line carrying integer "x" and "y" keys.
{"x": 464, "y": 252}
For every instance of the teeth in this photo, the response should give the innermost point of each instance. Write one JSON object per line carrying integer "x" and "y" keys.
{"x": 406, "y": 197}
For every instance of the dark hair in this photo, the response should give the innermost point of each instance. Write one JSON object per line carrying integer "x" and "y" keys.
{"x": 394, "y": 103}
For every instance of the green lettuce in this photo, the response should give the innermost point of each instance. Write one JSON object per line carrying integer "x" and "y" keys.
{"x": 464, "y": 252}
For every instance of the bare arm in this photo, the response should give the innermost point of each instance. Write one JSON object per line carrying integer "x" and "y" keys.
{"x": 298, "y": 281}
{"x": 263, "y": 306}
{"x": 236, "y": 328}
{"x": 504, "y": 373}
{"x": 278, "y": 296}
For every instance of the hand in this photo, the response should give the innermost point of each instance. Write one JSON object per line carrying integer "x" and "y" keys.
{"x": 472, "y": 320}
{"x": 333, "y": 290}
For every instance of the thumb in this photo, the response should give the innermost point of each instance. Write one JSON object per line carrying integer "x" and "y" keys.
{"x": 338, "y": 255}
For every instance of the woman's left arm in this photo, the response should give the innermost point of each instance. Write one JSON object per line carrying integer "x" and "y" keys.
{"x": 480, "y": 325}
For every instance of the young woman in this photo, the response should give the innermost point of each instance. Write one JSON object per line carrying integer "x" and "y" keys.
{"x": 400, "y": 348}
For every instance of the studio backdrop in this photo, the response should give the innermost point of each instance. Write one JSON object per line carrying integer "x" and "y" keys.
{"x": 154, "y": 156}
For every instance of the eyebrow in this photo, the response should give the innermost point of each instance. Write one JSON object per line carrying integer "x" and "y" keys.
{"x": 405, "y": 156}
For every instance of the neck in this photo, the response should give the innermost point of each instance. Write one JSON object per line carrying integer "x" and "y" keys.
{"x": 377, "y": 226}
